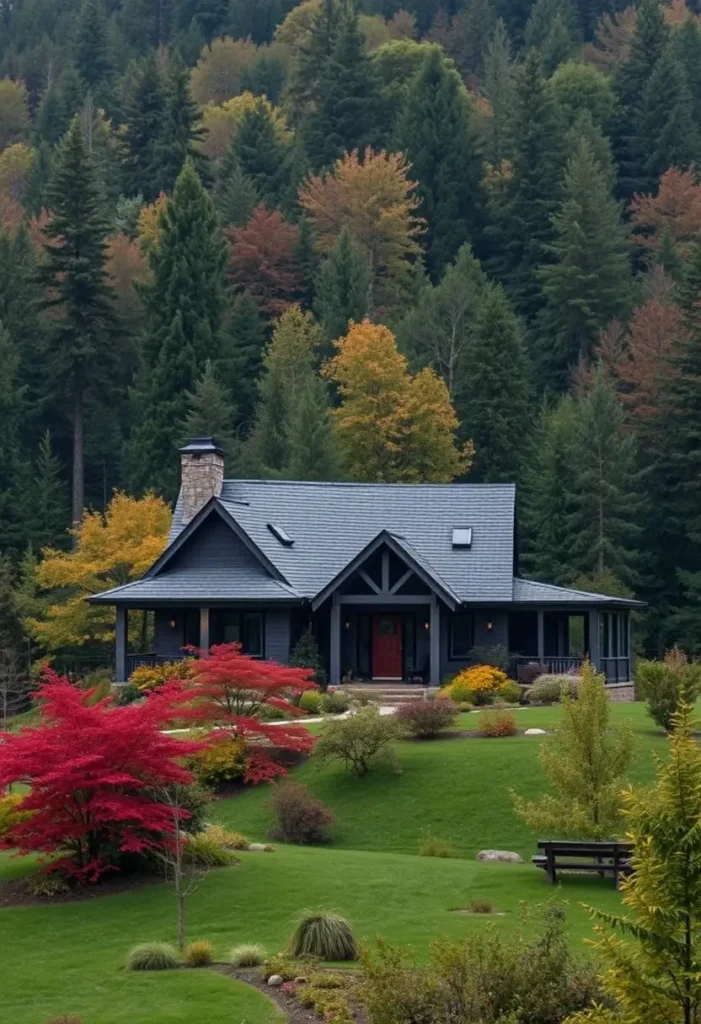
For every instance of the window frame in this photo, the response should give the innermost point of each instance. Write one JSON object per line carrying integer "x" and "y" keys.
{"x": 456, "y": 655}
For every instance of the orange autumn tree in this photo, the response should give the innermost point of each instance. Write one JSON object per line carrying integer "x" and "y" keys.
{"x": 392, "y": 427}
{"x": 111, "y": 548}
{"x": 262, "y": 260}
{"x": 376, "y": 201}
{"x": 672, "y": 216}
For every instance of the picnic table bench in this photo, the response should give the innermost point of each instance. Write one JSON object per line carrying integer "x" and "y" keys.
{"x": 605, "y": 858}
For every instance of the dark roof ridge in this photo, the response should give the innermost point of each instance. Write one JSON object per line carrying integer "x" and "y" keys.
{"x": 360, "y": 483}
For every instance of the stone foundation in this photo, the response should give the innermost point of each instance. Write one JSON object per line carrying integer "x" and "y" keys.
{"x": 621, "y": 693}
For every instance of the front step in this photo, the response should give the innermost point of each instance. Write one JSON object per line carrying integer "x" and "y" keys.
{"x": 390, "y": 693}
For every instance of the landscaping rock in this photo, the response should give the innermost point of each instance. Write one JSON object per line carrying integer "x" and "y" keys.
{"x": 500, "y": 855}
{"x": 275, "y": 980}
{"x": 534, "y": 732}
{"x": 261, "y": 848}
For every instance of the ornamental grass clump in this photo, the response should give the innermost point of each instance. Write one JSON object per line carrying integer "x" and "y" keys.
{"x": 199, "y": 953}
{"x": 153, "y": 956}
{"x": 248, "y": 955}
{"x": 325, "y": 935}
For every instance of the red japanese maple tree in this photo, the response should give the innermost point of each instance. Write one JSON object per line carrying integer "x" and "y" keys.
{"x": 228, "y": 690}
{"x": 94, "y": 773}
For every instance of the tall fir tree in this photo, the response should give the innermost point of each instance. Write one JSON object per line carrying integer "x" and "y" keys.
{"x": 345, "y": 113}
{"x": 261, "y": 155}
{"x": 588, "y": 281}
{"x": 245, "y": 336}
{"x": 180, "y": 129}
{"x": 342, "y": 288}
{"x": 184, "y": 309}
{"x": 499, "y": 90}
{"x": 14, "y": 477}
{"x": 306, "y": 260}
{"x": 144, "y": 110}
{"x": 494, "y": 403}
{"x": 48, "y": 512}
{"x": 437, "y": 133}
{"x": 313, "y": 451}
{"x": 236, "y": 195}
{"x": 92, "y": 52}
{"x": 686, "y": 49}
{"x": 312, "y": 56}
{"x": 522, "y": 226}
{"x": 81, "y": 354}
{"x": 630, "y": 81}
{"x": 211, "y": 412}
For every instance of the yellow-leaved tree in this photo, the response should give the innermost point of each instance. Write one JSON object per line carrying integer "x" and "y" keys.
{"x": 392, "y": 427}
{"x": 374, "y": 199}
{"x": 111, "y": 549}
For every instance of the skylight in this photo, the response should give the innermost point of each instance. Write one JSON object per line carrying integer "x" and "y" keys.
{"x": 462, "y": 538}
{"x": 282, "y": 535}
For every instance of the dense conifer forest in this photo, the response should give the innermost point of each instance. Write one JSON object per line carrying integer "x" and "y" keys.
{"x": 494, "y": 204}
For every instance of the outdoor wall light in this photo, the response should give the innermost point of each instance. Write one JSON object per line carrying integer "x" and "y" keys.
{"x": 490, "y": 626}
{"x": 346, "y": 624}
{"x": 427, "y": 625}
{"x": 172, "y": 623}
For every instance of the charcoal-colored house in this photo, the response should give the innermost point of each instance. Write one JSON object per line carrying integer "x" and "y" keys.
{"x": 397, "y": 581}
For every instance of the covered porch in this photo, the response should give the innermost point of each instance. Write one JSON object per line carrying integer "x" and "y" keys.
{"x": 562, "y": 639}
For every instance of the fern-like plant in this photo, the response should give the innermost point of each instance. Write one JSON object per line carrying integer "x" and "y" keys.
{"x": 247, "y": 955}
{"x": 153, "y": 956}
{"x": 325, "y": 935}
{"x": 199, "y": 953}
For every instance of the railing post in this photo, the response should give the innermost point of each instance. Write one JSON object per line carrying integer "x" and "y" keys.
{"x": 121, "y": 638}
{"x": 541, "y": 635}
{"x": 204, "y": 631}
{"x": 435, "y": 643}
{"x": 335, "y": 642}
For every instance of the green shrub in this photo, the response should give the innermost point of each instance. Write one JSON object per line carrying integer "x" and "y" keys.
{"x": 335, "y": 703}
{"x": 549, "y": 689}
{"x": 661, "y": 683}
{"x": 431, "y": 846}
{"x": 491, "y": 654}
{"x": 199, "y": 953}
{"x": 126, "y": 694}
{"x": 324, "y": 935}
{"x": 480, "y": 906}
{"x": 207, "y": 848}
{"x": 153, "y": 956}
{"x": 425, "y": 719}
{"x": 10, "y": 815}
{"x": 310, "y": 701}
{"x": 306, "y": 654}
{"x": 287, "y": 967}
{"x": 48, "y": 885}
{"x": 269, "y": 713}
{"x": 510, "y": 692}
{"x": 359, "y": 740}
{"x": 248, "y": 955}
{"x": 221, "y": 760}
{"x": 299, "y": 816}
{"x": 331, "y": 1005}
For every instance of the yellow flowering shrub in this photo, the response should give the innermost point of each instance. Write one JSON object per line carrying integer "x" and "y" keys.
{"x": 220, "y": 761}
{"x": 9, "y": 811}
{"x": 148, "y": 677}
{"x": 477, "y": 685}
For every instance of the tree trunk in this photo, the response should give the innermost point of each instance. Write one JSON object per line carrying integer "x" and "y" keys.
{"x": 181, "y": 918}
{"x": 78, "y": 494}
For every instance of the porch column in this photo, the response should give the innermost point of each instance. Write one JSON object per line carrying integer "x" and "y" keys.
{"x": 204, "y": 630}
{"x": 335, "y": 643}
{"x": 541, "y": 635}
{"x": 435, "y": 640}
{"x": 121, "y": 636}
{"x": 594, "y": 649}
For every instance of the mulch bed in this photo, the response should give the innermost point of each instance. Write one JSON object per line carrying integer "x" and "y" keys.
{"x": 296, "y": 1013}
{"x": 17, "y": 892}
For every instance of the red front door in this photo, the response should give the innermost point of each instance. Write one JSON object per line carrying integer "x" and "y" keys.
{"x": 387, "y": 647}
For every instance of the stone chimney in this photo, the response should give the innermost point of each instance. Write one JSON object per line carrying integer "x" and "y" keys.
{"x": 202, "y": 462}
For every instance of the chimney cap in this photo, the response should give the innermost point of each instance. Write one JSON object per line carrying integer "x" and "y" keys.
{"x": 202, "y": 446}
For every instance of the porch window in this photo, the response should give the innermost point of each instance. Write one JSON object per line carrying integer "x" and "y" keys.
{"x": 234, "y": 627}
{"x": 462, "y": 635}
{"x": 614, "y": 634}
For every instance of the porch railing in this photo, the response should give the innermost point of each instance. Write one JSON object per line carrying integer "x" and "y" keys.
{"x": 554, "y": 665}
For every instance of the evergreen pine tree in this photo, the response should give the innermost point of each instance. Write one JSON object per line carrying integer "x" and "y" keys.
{"x": 81, "y": 353}
{"x": 211, "y": 411}
{"x": 342, "y": 288}
{"x": 588, "y": 281}
{"x": 306, "y": 654}
{"x": 261, "y": 154}
{"x": 14, "y": 504}
{"x": 180, "y": 129}
{"x": 494, "y": 407}
{"x": 20, "y": 308}
{"x": 184, "y": 309}
{"x": 306, "y": 261}
{"x": 92, "y": 57}
{"x": 630, "y": 82}
{"x": 143, "y": 119}
{"x": 345, "y": 113}
{"x": 245, "y": 336}
{"x": 686, "y": 49}
{"x": 313, "y": 452}
{"x": 309, "y": 66}
{"x": 12, "y": 630}
{"x": 665, "y": 135}
{"x": 59, "y": 105}
{"x": 522, "y": 215}
{"x": 499, "y": 90}
{"x": 607, "y": 509}
{"x": 236, "y": 196}
{"x": 48, "y": 513}
{"x": 36, "y": 181}
{"x": 436, "y": 131}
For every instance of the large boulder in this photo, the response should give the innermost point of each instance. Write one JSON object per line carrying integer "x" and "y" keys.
{"x": 506, "y": 856}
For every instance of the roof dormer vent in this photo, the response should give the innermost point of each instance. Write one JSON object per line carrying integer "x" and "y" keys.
{"x": 282, "y": 535}
{"x": 462, "y": 538}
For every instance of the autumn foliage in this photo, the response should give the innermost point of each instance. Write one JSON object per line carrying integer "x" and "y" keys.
{"x": 674, "y": 214}
{"x": 228, "y": 689}
{"x": 261, "y": 260}
{"x": 94, "y": 774}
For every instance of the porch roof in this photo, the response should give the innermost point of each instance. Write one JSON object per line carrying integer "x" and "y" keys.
{"x": 182, "y": 586}
{"x": 532, "y": 592}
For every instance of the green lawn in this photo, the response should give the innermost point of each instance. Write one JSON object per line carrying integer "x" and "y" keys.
{"x": 67, "y": 958}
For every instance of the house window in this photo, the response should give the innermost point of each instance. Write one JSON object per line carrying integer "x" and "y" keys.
{"x": 462, "y": 635}
{"x": 234, "y": 627}
{"x": 614, "y": 635}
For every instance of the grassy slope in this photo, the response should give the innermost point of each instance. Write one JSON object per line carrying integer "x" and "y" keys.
{"x": 458, "y": 788}
{"x": 68, "y": 958}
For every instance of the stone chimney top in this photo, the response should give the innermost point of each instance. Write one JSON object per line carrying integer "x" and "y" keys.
{"x": 202, "y": 462}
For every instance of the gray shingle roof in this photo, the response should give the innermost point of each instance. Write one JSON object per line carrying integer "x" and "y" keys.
{"x": 191, "y": 585}
{"x": 330, "y": 523}
{"x": 529, "y": 591}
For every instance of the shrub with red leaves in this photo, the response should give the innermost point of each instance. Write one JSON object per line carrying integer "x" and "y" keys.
{"x": 94, "y": 772}
{"x": 229, "y": 689}
{"x": 426, "y": 718}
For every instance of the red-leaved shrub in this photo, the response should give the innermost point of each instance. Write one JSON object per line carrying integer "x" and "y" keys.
{"x": 426, "y": 718}
{"x": 299, "y": 816}
{"x": 497, "y": 723}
